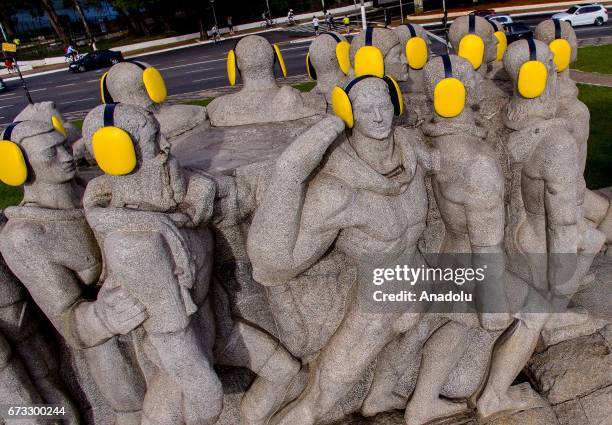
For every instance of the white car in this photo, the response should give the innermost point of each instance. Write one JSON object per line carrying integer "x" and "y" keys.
{"x": 584, "y": 14}
{"x": 500, "y": 19}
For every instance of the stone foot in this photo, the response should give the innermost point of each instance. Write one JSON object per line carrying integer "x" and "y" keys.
{"x": 381, "y": 403}
{"x": 438, "y": 409}
{"x": 300, "y": 412}
{"x": 606, "y": 225}
{"x": 519, "y": 397}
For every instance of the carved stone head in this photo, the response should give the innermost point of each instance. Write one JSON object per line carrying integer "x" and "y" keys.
{"x": 46, "y": 111}
{"x": 372, "y": 108}
{"x": 545, "y": 32}
{"x": 433, "y": 73}
{"x": 388, "y": 43}
{"x": 518, "y": 53}
{"x": 482, "y": 28}
{"x": 125, "y": 84}
{"x": 322, "y": 57}
{"x": 48, "y": 160}
{"x": 255, "y": 59}
{"x": 403, "y": 33}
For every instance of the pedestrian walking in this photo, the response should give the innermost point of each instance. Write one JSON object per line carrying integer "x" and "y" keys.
{"x": 230, "y": 25}
{"x": 8, "y": 63}
{"x": 347, "y": 23}
{"x": 315, "y": 24}
{"x": 215, "y": 33}
{"x": 291, "y": 17}
{"x": 330, "y": 21}
{"x": 387, "y": 18}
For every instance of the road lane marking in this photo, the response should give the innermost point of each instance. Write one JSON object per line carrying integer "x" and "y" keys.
{"x": 198, "y": 70}
{"x": 206, "y": 79}
{"x": 6, "y": 106}
{"x": 32, "y": 91}
{"x": 190, "y": 64}
{"x": 66, "y": 85}
{"x": 80, "y": 100}
{"x": 91, "y": 81}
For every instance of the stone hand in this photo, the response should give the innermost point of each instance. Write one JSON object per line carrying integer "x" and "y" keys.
{"x": 306, "y": 152}
{"x": 120, "y": 311}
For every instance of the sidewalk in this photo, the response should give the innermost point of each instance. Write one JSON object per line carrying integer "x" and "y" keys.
{"x": 592, "y": 78}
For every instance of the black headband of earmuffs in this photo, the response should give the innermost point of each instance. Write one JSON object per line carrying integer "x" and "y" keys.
{"x": 109, "y": 114}
{"x": 494, "y": 25}
{"x": 334, "y": 36}
{"x": 411, "y": 29}
{"x": 107, "y": 96}
{"x": 533, "y": 56}
{"x": 369, "y": 35}
{"x": 557, "y": 28}
{"x": 386, "y": 79}
{"x": 448, "y": 67}
{"x": 472, "y": 24}
{"x": 8, "y": 131}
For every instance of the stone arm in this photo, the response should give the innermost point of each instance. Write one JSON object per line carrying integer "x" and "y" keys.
{"x": 199, "y": 200}
{"x": 560, "y": 200}
{"x": 288, "y": 232}
{"x": 54, "y": 287}
{"x": 484, "y": 209}
{"x": 428, "y": 157}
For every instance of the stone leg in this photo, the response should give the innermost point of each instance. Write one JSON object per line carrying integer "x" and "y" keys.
{"x": 356, "y": 343}
{"x": 441, "y": 353}
{"x": 598, "y": 210}
{"x": 118, "y": 379}
{"x": 16, "y": 387}
{"x": 182, "y": 359}
{"x": 276, "y": 371}
{"x": 508, "y": 359}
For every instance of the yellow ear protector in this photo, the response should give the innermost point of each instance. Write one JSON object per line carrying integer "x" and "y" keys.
{"x": 151, "y": 78}
{"x": 13, "y": 169}
{"x": 58, "y": 125}
{"x": 471, "y": 46}
{"x": 502, "y": 41}
{"x": 112, "y": 146}
{"x": 343, "y": 108}
{"x": 232, "y": 63}
{"x": 561, "y": 48}
{"x": 342, "y": 56}
{"x": 532, "y": 75}
{"x": 369, "y": 59}
{"x": 416, "y": 49}
{"x": 449, "y": 93}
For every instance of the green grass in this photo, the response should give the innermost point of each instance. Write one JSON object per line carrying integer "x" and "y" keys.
{"x": 594, "y": 59}
{"x": 200, "y": 102}
{"x": 304, "y": 87}
{"x": 9, "y": 196}
{"x": 78, "y": 124}
{"x": 598, "y": 172}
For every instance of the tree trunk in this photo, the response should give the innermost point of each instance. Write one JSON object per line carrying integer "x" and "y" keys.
{"x": 418, "y": 6}
{"x": 47, "y": 6}
{"x": 77, "y": 5}
{"x": 5, "y": 18}
{"x": 133, "y": 28}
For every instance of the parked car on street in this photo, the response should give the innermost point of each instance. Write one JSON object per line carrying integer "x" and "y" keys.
{"x": 96, "y": 60}
{"x": 584, "y": 14}
{"x": 501, "y": 19}
{"x": 518, "y": 31}
{"x": 2, "y": 85}
{"x": 483, "y": 12}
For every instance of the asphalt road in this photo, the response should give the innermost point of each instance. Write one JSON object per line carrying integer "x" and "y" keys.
{"x": 185, "y": 70}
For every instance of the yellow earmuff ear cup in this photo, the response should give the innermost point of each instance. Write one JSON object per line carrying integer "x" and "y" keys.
{"x": 502, "y": 44}
{"x": 562, "y": 52}
{"x": 449, "y": 97}
{"x": 281, "y": 61}
{"x": 155, "y": 85}
{"x": 396, "y": 95}
{"x": 341, "y": 105}
{"x": 369, "y": 61}
{"x": 58, "y": 126}
{"x": 231, "y": 67}
{"x": 343, "y": 56}
{"x": 416, "y": 52}
{"x": 13, "y": 169}
{"x": 103, "y": 88}
{"x": 532, "y": 79}
{"x": 114, "y": 151}
{"x": 471, "y": 47}
{"x": 309, "y": 69}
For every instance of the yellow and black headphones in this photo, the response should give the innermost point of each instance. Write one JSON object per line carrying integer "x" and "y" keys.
{"x": 449, "y": 93}
{"x": 502, "y": 41}
{"x": 561, "y": 48}
{"x": 342, "y": 55}
{"x": 151, "y": 78}
{"x": 343, "y": 108}
{"x": 13, "y": 169}
{"x": 112, "y": 146}
{"x": 416, "y": 49}
{"x": 471, "y": 46}
{"x": 532, "y": 74}
{"x": 369, "y": 60}
{"x": 232, "y": 63}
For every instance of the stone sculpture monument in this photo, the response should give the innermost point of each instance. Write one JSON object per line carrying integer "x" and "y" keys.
{"x": 137, "y": 83}
{"x": 328, "y": 62}
{"x": 388, "y": 43}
